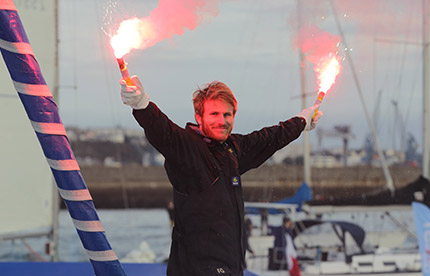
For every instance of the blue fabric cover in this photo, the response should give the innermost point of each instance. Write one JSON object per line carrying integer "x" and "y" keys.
{"x": 81, "y": 269}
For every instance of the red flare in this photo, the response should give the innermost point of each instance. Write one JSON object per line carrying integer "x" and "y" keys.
{"x": 124, "y": 71}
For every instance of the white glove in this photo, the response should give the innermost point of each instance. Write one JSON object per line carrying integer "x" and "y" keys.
{"x": 308, "y": 113}
{"x": 134, "y": 96}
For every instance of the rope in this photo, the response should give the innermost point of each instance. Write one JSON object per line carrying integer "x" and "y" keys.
{"x": 33, "y": 252}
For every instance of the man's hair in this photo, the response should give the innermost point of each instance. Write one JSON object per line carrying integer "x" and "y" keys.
{"x": 215, "y": 90}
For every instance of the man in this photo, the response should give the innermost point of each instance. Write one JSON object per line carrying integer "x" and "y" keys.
{"x": 283, "y": 255}
{"x": 248, "y": 233}
{"x": 290, "y": 248}
{"x": 204, "y": 163}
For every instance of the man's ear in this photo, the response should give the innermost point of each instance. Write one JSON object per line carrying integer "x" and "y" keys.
{"x": 198, "y": 119}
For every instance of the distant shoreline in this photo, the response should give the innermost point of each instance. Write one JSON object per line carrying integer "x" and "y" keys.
{"x": 148, "y": 187}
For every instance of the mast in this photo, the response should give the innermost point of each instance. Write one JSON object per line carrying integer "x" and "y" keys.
{"x": 53, "y": 245}
{"x": 388, "y": 178}
{"x": 426, "y": 98}
{"x": 306, "y": 145}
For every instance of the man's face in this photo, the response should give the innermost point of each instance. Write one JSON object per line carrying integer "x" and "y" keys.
{"x": 217, "y": 120}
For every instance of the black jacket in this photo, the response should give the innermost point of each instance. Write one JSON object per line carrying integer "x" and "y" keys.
{"x": 209, "y": 212}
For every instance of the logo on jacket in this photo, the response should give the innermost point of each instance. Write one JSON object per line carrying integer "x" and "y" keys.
{"x": 220, "y": 270}
{"x": 235, "y": 181}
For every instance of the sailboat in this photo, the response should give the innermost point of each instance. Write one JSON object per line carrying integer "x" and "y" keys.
{"x": 381, "y": 261}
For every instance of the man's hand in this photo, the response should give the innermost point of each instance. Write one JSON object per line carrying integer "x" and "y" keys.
{"x": 134, "y": 96}
{"x": 308, "y": 113}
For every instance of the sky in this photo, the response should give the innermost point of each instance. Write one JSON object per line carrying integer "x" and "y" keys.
{"x": 249, "y": 45}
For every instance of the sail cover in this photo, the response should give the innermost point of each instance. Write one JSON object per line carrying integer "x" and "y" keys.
{"x": 356, "y": 231}
{"x": 26, "y": 182}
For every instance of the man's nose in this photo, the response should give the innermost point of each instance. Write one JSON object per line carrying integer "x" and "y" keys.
{"x": 221, "y": 120}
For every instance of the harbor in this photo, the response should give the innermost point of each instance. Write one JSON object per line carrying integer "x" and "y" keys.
{"x": 84, "y": 189}
{"x": 148, "y": 187}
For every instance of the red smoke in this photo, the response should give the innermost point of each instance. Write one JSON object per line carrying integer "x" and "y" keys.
{"x": 321, "y": 49}
{"x": 383, "y": 17}
{"x": 316, "y": 43}
{"x": 169, "y": 18}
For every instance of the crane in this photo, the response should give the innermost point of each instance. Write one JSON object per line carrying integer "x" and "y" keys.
{"x": 339, "y": 131}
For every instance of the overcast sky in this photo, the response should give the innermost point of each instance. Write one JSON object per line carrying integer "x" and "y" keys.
{"x": 248, "y": 45}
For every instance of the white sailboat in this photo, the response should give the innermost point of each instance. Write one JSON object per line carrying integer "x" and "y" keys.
{"x": 28, "y": 196}
{"x": 386, "y": 261}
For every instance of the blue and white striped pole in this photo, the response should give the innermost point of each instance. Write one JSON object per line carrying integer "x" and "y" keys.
{"x": 43, "y": 114}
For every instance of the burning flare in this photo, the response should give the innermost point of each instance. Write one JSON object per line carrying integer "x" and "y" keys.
{"x": 169, "y": 18}
{"x": 131, "y": 34}
{"x": 327, "y": 70}
{"x": 321, "y": 49}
